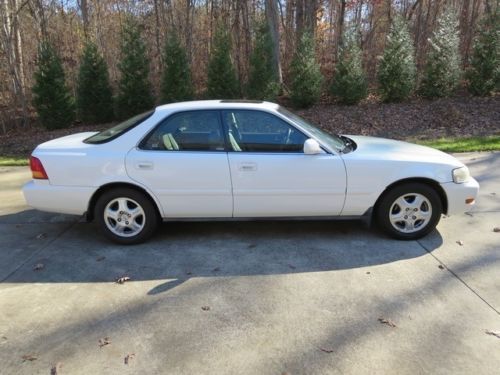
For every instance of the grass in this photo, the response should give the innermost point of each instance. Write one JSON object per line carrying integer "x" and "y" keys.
{"x": 468, "y": 144}
{"x": 13, "y": 161}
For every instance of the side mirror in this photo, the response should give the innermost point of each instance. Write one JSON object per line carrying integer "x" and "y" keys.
{"x": 312, "y": 147}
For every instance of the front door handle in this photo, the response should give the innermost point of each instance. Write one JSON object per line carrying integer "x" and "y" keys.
{"x": 144, "y": 165}
{"x": 247, "y": 167}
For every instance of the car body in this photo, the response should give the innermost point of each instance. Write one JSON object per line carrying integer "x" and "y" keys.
{"x": 242, "y": 159}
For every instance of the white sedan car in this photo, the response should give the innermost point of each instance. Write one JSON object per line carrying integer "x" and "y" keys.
{"x": 242, "y": 159}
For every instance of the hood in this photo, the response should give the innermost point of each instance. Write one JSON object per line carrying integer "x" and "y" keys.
{"x": 73, "y": 141}
{"x": 388, "y": 149}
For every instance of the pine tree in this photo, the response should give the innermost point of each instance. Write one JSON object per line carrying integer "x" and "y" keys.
{"x": 262, "y": 82}
{"x": 305, "y": 87}
{"x": 442, "y": 70}
{"x": 135, "y": 94}
{"x": 397, "y": 71}
{"x": 94, "y": 100}
{"x": 52, "y": 99}
{"x": 484, "y": 72}
{"x": 222, "y": 82}
{"x": 349, "y": 80}
{"x": 176, "y": 84}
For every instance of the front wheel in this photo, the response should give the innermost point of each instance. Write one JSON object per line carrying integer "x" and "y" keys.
{"x": 126, "y": 216}
{"x": 409, "y": 211}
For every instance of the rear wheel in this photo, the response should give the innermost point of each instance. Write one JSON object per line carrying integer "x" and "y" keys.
{"x": 126, "y": 216}
{"x": 409, "y": 211}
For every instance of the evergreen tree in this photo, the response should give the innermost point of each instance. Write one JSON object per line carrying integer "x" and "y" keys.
{"x": 135, "y": 94}
{"x": 484, "y": 72}
{"x": 52, "y": 99}
{"x": 349, "y": 80}
{"x": 94, "y": 100}
{"x": 222, "y": 82}
{"x": 397, "y": 71}
{"x": 305, "y": 87}
{"x": 176, "y": 84}
{"x": 442, "y": 70}
{"x": 263, "y": 81}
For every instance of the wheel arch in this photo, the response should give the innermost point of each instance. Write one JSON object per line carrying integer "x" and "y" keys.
{"x": 426, "y": 181}
{"x": 114, "y": 185}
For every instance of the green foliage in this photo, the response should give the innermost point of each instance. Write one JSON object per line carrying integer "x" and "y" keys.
{"x": 349, "y": 80}
{"x": 263, "y": 81}
{"x": 51, "y": 97}
{"x": 222, "y": 81}
{"x": 94, "y": 100}
{"x": 176, "y": 84}
{"x": 135, "y": 94}
{"x": 442, "y": 70}
{"x": 306, "y": 78}
{"x": 484, "y": 72}
{"x": 397, "y": 71}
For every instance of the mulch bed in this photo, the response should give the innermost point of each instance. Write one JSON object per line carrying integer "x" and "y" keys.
{"x": 416, "y": 119}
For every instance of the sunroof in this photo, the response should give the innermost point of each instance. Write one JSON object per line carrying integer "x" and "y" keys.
{"x": 241, "y": 101}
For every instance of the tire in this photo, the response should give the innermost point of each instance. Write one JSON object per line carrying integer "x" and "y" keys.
{"x": 126, "y": 216}
{"x": 409, "y": 211}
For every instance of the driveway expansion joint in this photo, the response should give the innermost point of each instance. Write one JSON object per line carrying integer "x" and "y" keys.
{"x": 459, "y": 278}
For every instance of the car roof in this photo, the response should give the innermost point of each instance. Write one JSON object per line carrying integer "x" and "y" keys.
{"x": 217, "y": 104}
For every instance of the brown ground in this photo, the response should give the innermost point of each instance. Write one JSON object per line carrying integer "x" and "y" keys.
{"x": 459, "y": 116}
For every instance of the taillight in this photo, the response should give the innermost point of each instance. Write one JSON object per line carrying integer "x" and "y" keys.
{"x": 37, "y": 169}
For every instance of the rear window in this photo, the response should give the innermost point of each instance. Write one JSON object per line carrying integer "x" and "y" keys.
{"x": 117, "y": 130}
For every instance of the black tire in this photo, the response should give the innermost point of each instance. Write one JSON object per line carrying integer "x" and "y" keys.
{"x": 428, "y": 220}
{"x": 145, "y": 222}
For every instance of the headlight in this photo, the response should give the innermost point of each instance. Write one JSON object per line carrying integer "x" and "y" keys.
{"x": 461, "y": 175}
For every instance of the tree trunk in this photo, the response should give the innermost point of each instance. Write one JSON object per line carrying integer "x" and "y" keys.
{"x": 272, "y": 21}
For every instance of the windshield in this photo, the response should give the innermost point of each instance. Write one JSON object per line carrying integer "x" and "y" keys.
{"x": 117, "y": 130}
{"x": 333, "y": 141}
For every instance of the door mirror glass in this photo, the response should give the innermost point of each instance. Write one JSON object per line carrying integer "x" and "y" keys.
{"x": 312, "y": 147}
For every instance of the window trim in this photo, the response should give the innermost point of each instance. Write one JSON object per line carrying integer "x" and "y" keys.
{"x": 228, "y": 144}
{"x": 141, "y": 142}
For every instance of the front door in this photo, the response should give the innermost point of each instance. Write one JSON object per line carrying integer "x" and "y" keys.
{"x": 271, "y": 175}
{"x": 184, "y": 162}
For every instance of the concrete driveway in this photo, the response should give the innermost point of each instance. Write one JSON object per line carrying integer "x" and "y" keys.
{"x": 250, "y": 298}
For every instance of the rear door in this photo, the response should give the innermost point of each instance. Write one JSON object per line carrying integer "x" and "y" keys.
{"x": 184, "y": 162}
{"x": 272, "y": 176}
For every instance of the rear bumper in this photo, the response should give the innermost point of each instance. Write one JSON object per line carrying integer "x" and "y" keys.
{"x": 457, "y": 194}
{"x": 72, "y": 200}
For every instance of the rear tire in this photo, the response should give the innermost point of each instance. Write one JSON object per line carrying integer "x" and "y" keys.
{"x": 409, "y": 211}
{"x": 126, "y": 216}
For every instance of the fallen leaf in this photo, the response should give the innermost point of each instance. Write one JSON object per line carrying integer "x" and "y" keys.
{"x": 493, "y": 193}
{"x": 496, "y": 229}
{"x": 104, "y": 341}
{"x": 441, "y": 267}
{"x": 389, "y": 322}
{"x": 216, "y": 269}
{"x": 252, "y": 245}
{"x": 461, "y": 243}
{"x": 100, "y": 259}
{"x": 29, "y": 357}
{"x": 326, "y": 350}
{"x": 122, "y": 280}
{"x": 41, "y": 236}
{"x": 189, "y": 273}
{"x": 493, "y": 333}
{"x": 368, "y": 272}
{"x": 205, "y": 308}
{"x": 56, "y": 368}
{"x": 128, "y": 358}
{"x": 292, "y": 266}
{"x": 38, "y": 267}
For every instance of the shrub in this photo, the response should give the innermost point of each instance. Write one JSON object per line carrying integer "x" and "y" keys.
{"x": 51, "y": 97}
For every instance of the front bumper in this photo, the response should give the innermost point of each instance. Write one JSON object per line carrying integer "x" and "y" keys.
{"x": 458, "y": 194}
{"x": 72, "y": 200}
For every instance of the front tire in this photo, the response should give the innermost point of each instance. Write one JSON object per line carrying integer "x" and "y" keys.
{"x": 126, "y": 216}
{"x": 409, "y": 211}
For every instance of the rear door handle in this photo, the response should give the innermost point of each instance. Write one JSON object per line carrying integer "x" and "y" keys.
{"x": 144, "y": 165}
{"x": 247, "y": 167}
